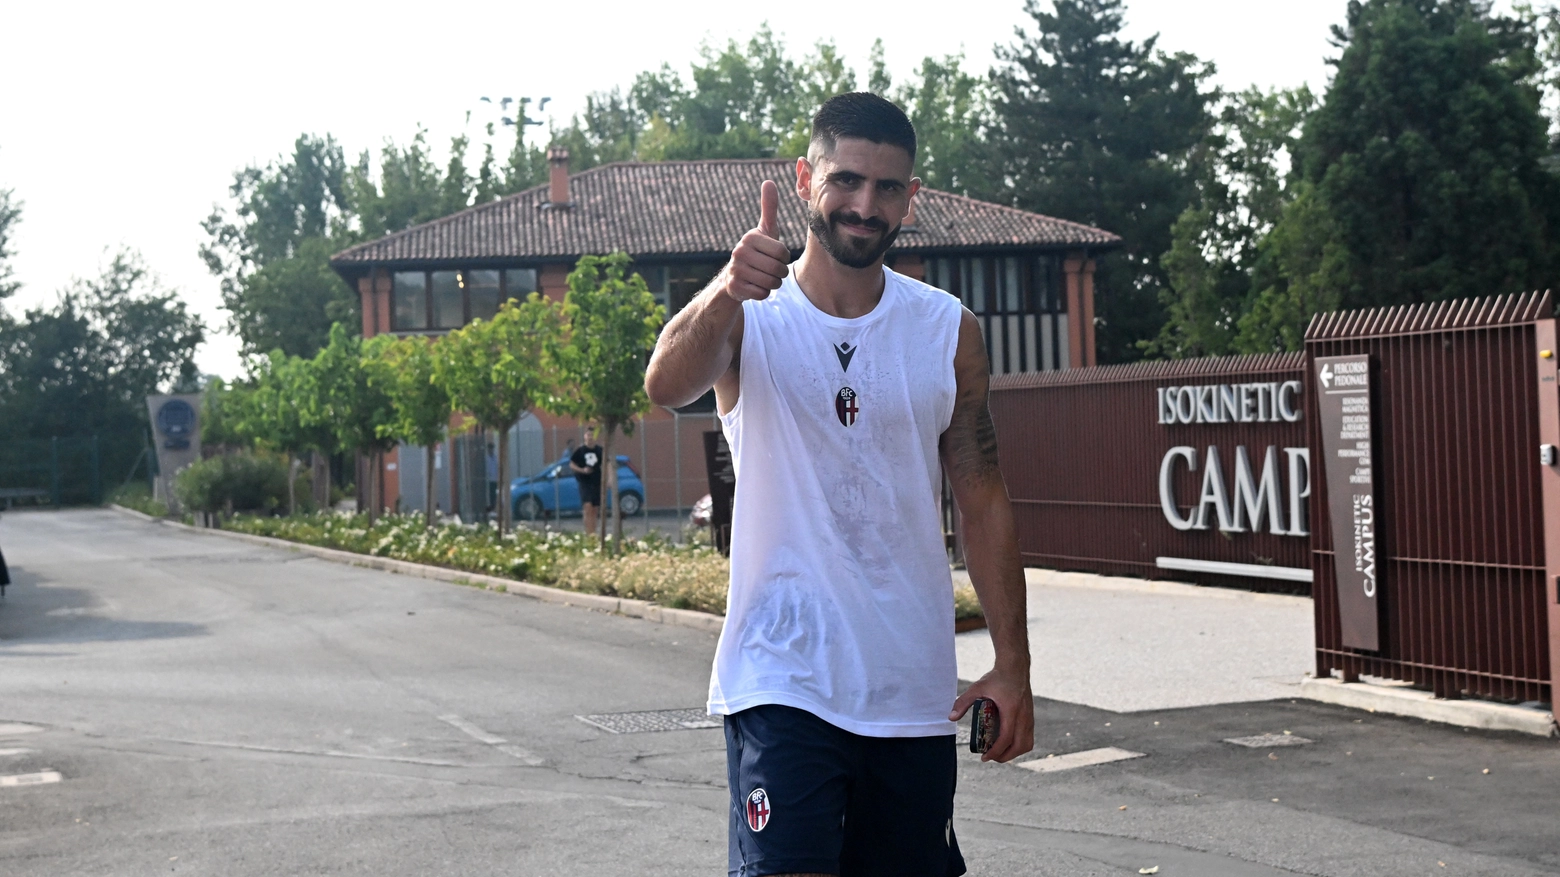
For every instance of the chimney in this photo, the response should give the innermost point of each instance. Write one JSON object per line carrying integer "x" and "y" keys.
{"x": 558, "y": 165}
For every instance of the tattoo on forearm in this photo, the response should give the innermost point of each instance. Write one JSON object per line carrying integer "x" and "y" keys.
{"x": 985, "y": 438}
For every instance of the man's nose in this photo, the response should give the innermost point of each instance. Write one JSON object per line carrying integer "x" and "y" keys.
{"x": 864, "y": 204}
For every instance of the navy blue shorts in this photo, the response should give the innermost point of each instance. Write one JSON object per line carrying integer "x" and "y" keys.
{"x": 590, "y": 490}
{"x": 810, "y": 798}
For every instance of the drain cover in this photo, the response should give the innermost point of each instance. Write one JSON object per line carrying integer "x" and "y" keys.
{"x": 1268, "y": 741}
{"x": 690, "y": 719}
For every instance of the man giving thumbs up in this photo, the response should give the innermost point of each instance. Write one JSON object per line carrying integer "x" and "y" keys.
{"x": 846, "y": 392}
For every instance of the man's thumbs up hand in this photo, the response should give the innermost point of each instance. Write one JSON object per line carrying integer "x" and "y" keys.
{"x": 758, "y": 263}
{"x": 768, "y": 206}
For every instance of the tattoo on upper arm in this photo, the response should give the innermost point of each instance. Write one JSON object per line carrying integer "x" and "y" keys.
{"x": 972, "y": 439}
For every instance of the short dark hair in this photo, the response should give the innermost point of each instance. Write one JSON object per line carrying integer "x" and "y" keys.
{"x": 865, "y": 115}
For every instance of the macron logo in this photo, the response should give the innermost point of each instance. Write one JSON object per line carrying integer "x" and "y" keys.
{"x": 844, "y": 351}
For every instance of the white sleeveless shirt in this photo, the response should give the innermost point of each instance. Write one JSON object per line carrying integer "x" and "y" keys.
{"x": 841, "y": 601}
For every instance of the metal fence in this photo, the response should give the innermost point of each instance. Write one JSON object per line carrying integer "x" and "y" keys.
{"x": 1467, "y": 605}
{"x": 56, "y": 471}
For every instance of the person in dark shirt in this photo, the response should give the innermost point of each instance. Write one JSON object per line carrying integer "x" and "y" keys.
{"x": 586, "y": 464}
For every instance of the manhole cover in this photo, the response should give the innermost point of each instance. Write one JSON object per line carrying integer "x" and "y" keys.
{"x": 1268, "y": 741}
{"x": 690, "y": 719}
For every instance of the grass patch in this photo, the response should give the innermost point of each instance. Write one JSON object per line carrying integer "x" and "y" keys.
{"x": 138, "y": 496}
{"x": 692, "y": 576}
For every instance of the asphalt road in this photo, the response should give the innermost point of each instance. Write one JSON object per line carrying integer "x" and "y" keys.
{"x": 212, "y": 707}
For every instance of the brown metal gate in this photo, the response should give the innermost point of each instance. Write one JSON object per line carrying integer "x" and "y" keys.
{"x": 1464, "y": 399}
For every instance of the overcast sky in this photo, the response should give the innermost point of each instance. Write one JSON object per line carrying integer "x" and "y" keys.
{"x": 121, "y": 123}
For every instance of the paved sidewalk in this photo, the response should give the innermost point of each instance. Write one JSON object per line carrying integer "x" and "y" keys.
{"x": 1128, "y": 645}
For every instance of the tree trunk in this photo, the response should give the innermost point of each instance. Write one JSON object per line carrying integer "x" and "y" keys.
{"x": 428, "y": 483}
{"x": 501, "y": 495}
{"x": 319, "y": 464}
{"x": 373, "y": 488}
{"x": 293, "y": 465}
{"x": 609, "y": 484}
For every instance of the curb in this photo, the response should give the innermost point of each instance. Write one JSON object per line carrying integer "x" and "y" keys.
{"x": 616, "y": 605}
{"x": 1399, "y": 701}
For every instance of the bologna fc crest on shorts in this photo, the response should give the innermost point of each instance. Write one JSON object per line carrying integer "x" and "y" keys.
{"x": 758, "y": 810}
{"x": 845, "y": 407}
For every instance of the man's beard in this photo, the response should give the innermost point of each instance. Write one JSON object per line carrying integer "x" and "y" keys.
{"x": 848, "y": 250}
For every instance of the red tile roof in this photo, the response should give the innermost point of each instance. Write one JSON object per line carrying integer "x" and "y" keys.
{"x": 689, "y": 208}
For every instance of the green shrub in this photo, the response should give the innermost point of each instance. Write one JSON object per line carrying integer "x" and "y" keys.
{"x": 965, "y": 603}
{"x": 651, "y": 568}
{"x": 682, "y": 580}
{"x": 233, "y": 483}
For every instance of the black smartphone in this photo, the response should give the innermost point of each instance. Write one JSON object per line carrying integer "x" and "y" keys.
{"x": 983, "y": 725}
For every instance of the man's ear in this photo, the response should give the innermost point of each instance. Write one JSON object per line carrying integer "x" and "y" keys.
{"x": 804, "y": 172}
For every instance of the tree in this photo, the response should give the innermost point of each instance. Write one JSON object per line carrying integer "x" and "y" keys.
{"x": 286, "y": 304}
{"x": 1245, "y": 183}
{"x": 951, "y": 112}
{"x": 86, "y": 365}
{"x": 610, "y": 326}
{"x": 421, "y": 406}
{"x": 271, "y": 248}
{"x": 1092, "y": 128}
{"x": 276, "y": 415}
{"x": 10, "y": 215}
{"x": 749, "y": 100}
{"x": 1424, "y": 166}
{"x": 497, "y": 370}
{"x": 338, "y": 396}
{"x": 223, "y": 410}
{"x": 409, "y": 187}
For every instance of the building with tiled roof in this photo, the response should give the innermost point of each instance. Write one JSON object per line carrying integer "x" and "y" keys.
{"x": 1028, "y": 278}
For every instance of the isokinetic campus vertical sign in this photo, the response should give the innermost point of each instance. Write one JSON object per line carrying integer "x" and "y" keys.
{"x": 1344, "y": 400}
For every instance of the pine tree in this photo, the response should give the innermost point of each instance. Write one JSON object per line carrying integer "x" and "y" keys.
{"x": 1096, "y": 129}
{"x": 1423, "y": 169}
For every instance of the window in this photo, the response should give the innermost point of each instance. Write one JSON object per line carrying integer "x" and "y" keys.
{"x": 411, "y": 300}
{"x": 675, "y": 284}
{"x": 1018, "y": 302}
{"x": 519, "y": 283}
{"x": 684, "y": 281}
{"x": 444, "y": 300}
{"x": 655, "y": 278}
{"x": 449, "y": 304}
{"x": 482, "y": 291}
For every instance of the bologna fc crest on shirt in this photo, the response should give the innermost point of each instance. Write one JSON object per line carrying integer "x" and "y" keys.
{"x": 846, "y": 407}
{"x": 758, "y": 810}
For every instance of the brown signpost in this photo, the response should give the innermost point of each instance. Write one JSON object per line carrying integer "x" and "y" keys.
{"x": 1344, "y": 403}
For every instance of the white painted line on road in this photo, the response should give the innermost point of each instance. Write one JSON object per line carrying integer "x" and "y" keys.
{"x": 320, "y": 753}
{"x": 1087, "y": 758}
{"x": 472, "y": 730}
{"x": 11, "y": 729}
{"x": 4, "y": 752}
{"x": 493, "y": 740}
{"x": 31, "y": 779}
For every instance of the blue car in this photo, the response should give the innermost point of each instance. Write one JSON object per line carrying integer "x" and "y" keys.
{"x": 553, "y": 491}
